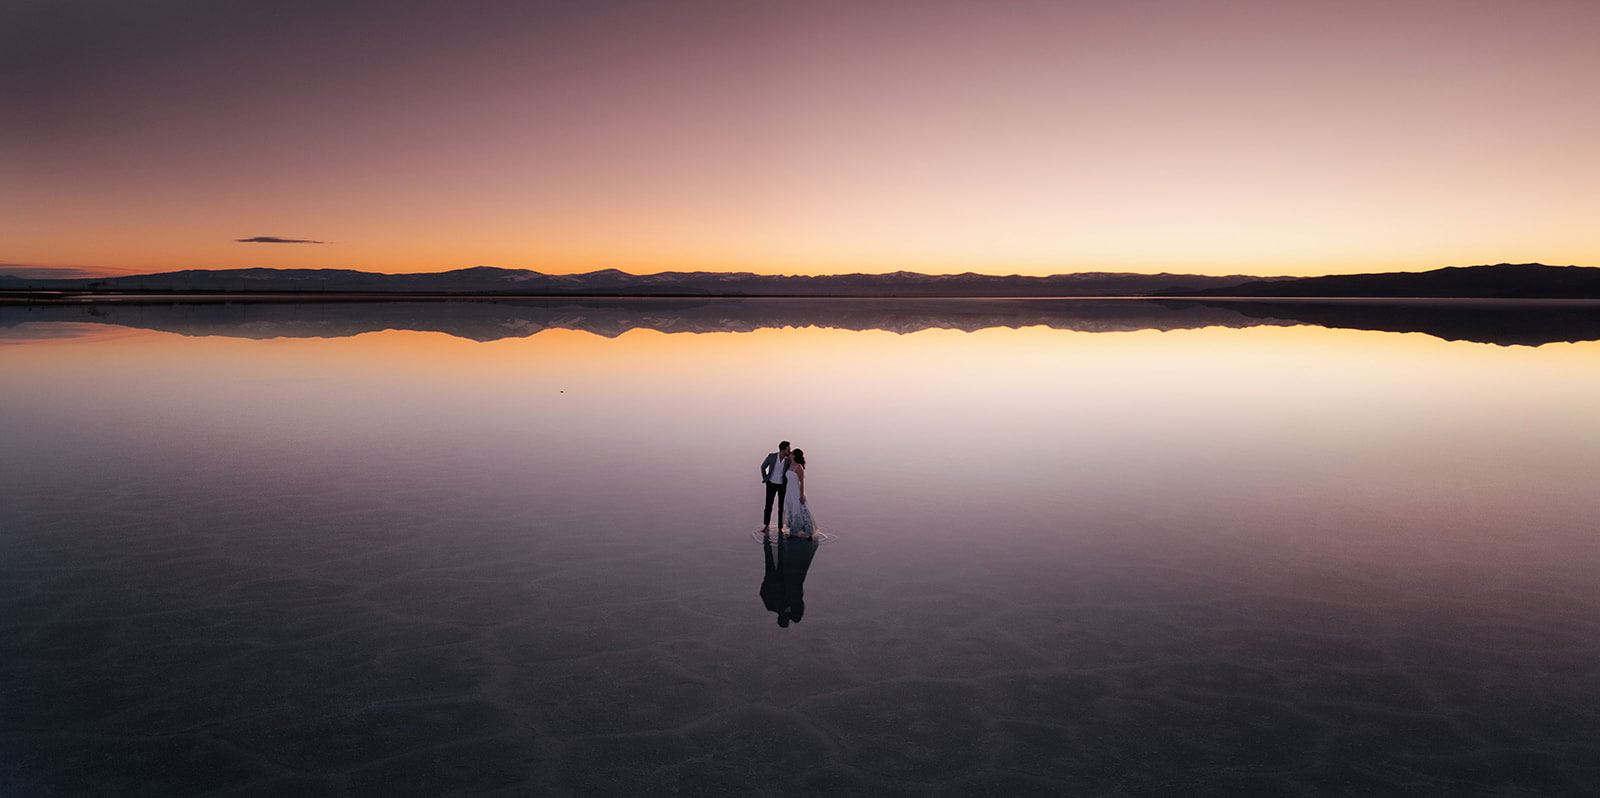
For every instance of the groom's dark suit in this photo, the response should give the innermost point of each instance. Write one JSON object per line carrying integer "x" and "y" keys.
{"x": 773, "y": 466}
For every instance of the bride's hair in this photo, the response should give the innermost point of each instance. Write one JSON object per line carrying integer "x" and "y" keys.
{"x": 798, "y": 456}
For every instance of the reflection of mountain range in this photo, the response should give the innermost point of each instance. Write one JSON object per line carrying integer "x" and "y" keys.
{"x": 1494, "y": 321}
{"x": 488, "y": 320}
{"x": 1501, "y": 322}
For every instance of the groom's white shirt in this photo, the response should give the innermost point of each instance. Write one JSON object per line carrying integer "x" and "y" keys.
{"x": 778, "y": 467}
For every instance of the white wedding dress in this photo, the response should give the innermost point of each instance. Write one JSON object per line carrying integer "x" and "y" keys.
{"x": 796, "y": 516}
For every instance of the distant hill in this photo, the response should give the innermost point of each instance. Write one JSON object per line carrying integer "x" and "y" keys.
{"x": 611, "y": 282}
{"x": 1500, "y": 281}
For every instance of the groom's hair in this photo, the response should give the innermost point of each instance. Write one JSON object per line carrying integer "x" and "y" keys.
{"x": 783, "y": 445}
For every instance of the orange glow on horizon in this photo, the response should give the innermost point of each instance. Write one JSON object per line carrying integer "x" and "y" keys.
{"x": 1258, "y": 138}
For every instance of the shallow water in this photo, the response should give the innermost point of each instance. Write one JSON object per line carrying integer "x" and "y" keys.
{"x": 1096, "y": 552}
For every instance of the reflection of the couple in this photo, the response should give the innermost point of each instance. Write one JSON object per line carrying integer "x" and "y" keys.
{"x": 783, "y": 587}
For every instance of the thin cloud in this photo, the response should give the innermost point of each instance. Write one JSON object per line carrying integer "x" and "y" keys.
{"x": 277, "y": 240}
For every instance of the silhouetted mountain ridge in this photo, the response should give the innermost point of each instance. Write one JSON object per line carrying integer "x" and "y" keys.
{"x": 494, "y": 280}
{"x": 1498, "y": 281}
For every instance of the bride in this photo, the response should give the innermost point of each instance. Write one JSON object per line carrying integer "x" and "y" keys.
{"x": 801, "y": 524}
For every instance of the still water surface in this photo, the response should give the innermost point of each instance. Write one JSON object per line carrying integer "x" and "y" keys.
{"x": 1218, "y": 558}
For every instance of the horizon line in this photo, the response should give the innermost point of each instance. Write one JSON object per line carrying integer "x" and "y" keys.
{"x": 83, "y": 272}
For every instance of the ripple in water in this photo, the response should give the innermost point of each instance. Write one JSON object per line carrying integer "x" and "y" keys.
{"x": 822, "y": 535}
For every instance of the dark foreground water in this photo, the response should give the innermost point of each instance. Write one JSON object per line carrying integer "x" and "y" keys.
{"x": 1125, "y": 549}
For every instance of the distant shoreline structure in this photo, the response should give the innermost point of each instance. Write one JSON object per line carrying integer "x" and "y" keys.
{"x": 1498, "y": 281}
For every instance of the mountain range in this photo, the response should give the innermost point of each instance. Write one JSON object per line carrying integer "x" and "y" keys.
{"x": 612, "y": 282}
{"x": 1503, "y": 280}
{"x": 1499, "y": 281}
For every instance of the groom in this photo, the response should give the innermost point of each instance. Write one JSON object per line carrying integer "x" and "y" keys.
{"x": 772, "y": 470}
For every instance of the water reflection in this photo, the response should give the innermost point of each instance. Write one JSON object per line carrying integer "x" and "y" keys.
{"x": 783, "y": 583}
{"x": 1281, "y": 561}
{"x": 1505, "y": 322}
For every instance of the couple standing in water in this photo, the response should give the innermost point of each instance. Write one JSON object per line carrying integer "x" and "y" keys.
{"x": 784, "y": 475}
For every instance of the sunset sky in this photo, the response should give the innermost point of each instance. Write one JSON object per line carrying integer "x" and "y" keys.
{"x": 1266, "y": 137}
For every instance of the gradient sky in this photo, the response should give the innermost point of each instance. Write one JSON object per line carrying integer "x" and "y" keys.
{"x": 1269, "y": 137}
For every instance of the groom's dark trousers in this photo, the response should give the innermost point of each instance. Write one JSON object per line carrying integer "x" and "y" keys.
{"x": 773, "y": 489}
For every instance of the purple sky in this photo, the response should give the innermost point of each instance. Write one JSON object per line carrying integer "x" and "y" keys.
{"x": 1260, "y": 137}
